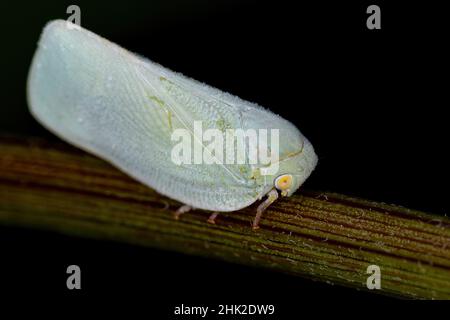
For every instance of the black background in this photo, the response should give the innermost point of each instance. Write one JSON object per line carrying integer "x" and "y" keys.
{"x": 372, "y": 102}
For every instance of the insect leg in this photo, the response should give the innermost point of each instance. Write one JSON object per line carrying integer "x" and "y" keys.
{"x": 271, "y": 197}
{"x": 183, "y": 209}
{"x": 212, "y": 217}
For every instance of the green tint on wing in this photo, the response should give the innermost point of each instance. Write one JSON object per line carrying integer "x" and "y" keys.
{"x": 184, "y": 106}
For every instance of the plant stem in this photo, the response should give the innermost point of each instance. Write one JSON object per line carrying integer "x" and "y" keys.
{"x": 321, "y": 236}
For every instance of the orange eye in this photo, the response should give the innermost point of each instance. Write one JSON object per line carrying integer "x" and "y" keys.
{"x": 283, "y": 182}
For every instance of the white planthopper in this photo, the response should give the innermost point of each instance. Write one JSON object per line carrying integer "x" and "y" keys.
{"x": 126, "y": 110}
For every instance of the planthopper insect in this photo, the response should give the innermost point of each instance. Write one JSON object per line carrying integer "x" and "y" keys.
{"x": 193, "y": 143}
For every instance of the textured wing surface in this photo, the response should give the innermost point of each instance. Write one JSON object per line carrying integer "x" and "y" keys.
{"x": 233, "y": 112}
{"x": 123, "y": 108}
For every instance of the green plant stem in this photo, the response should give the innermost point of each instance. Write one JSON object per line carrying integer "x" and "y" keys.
{"x": 322, "y": 236}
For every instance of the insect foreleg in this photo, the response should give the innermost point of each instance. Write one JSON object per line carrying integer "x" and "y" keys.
{"x": 272, "y": 196}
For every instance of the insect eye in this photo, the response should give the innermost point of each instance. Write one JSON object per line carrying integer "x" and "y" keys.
{"x": 283, "y": 182}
